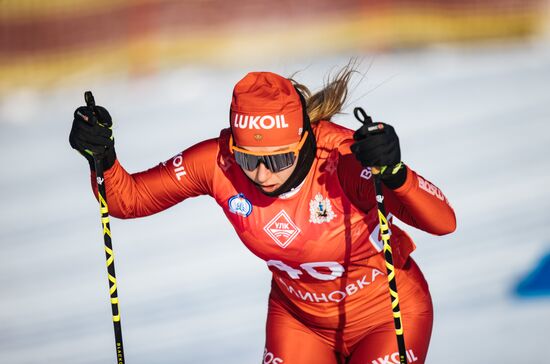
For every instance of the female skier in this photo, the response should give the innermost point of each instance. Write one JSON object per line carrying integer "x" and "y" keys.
{"x": 298, "y": 190}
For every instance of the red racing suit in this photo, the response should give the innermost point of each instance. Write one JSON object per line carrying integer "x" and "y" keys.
{"x": 329, "y": 301}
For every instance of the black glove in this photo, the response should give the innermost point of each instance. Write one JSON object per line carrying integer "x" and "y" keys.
{"x": 92, "y": 137}
{"x": 377, "y": 145}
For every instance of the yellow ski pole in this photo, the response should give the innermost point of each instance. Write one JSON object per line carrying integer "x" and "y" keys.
{"x": 109, "y": 255}
{"x": 385, "y": 234}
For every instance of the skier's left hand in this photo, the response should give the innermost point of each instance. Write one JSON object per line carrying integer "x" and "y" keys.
{"x": 377, "y": 146}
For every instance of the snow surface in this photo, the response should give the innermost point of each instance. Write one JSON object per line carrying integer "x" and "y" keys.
{"x": 474, "y": 120}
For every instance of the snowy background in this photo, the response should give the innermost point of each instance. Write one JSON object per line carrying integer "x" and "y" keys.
{"x": 474, "y": 120}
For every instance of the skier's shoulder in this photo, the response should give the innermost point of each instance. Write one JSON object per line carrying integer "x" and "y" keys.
{"x": 203, "y": 150}
{"x": 330, "y": 134}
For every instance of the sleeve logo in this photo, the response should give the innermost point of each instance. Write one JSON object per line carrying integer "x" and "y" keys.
{"x": 366, "y": 173}
{"x": 431, "y": 189}
{"x": 177, "y": 163}
{"x": 179, "y": 169}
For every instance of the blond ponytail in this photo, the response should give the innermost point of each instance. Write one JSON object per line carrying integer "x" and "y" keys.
{"x": 327, "y": 102}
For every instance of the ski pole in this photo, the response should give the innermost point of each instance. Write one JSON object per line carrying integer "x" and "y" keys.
{"x": 385, "y": 235}
{"x": 109, "y": 255}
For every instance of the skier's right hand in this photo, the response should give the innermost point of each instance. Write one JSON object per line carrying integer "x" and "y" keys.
{"x": 92, "y": 135}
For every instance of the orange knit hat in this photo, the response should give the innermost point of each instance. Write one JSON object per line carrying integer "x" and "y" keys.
{"x": 266, "y": 111}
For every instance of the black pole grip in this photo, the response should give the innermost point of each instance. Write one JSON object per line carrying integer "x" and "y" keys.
{"x": 89, "y": 98}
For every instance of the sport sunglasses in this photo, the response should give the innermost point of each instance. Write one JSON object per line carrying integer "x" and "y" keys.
{"x": 275, "y": 161}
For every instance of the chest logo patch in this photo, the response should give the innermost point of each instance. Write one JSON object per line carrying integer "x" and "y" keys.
{"x": 282, "y": 229}
{"x": 239, "y": 205}
{"x": 320, "y": 210}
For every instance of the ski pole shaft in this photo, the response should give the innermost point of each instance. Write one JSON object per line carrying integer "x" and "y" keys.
{"x": 109, "y": 255}
{"x": 385, "y": 235}
{"x": 390, "y": 269}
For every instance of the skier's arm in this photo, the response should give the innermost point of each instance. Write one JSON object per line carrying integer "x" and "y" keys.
{"x": 416, "y": 202}
{"x": 187, "y": 174}
{"x": 421, "y": 204}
